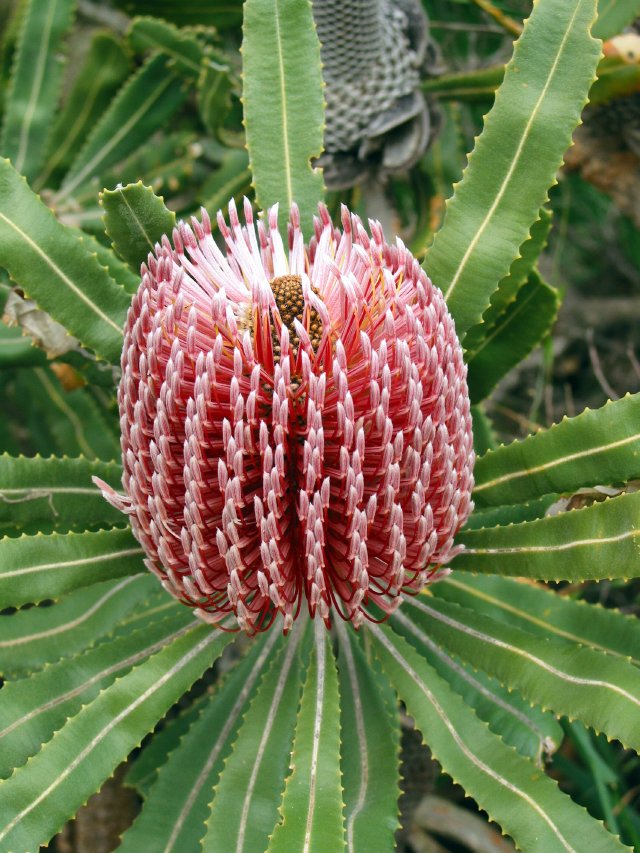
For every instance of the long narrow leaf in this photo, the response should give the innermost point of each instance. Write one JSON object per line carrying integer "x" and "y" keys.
{"x": 32, "y": 709}
{"x": 184, "y": 50}
{"x": 511, "y": 284}
{"x": 534, "y": 733}
{"x": 516, "y": 157}
{"x": 177, "y": 804}
{"x": 602, "y": 691}
{"x": 104, "y": 70}
{"x": 311, "y": 811}
{"x": 370, "y": 749}
{"x": 524, "y": 802}
{"x": 145, "y": 103}
{"x": 596, "y": 447}
{"x": 55, "y": 492}
{"x": 38, "y": 635}
{"x": 39, "y": 797}
{"x": 599, "y": 541}
{"x": 35, "y": 81}
{"x": 54, "y": 269}
{"x": 245, "y": 805}
{"x": 283, "y": 105}
{"x": 539, "y": 610}
{"x": 33, "y": 568}
{"x": 515, "y": 333}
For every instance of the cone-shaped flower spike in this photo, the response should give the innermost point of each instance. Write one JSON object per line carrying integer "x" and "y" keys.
{"x": 295, "y": 425}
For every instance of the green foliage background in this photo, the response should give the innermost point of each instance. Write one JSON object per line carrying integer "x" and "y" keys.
{"x": 293, "y": 743}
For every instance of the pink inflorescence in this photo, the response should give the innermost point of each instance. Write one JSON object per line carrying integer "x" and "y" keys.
{"x": 295, "y": 426}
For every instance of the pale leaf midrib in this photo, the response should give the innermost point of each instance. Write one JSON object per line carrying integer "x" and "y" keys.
{"x": 471, "y": 756}
{"x": 220, "y": 741}
{"x": 514, "y": 163}
{"x": 124, "y": 129}
{"x": 535, "y": 620}
{"x": 554, "y": 463}
{"x": 111, "y": 724}
{"x": 60, "y": 274}
{"x": 526, "y": 655}
{"x": 69, "y": 564}
{"x": 37, "y": 83}
{"x": 466, "y": 676}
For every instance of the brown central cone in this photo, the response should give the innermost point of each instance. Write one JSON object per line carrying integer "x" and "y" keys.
{"x": 287, "y": 291}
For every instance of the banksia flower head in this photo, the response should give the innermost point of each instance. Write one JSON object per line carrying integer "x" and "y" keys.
{"x": 295, "y": 426}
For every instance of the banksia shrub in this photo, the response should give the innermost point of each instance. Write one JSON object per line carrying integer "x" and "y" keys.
{"x": 280, "y": 415}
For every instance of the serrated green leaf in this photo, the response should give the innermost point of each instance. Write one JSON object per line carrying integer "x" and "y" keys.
{"x": 145, "y": 103}
{"x": 35, "y": 81}
{"x": 55, "y": 492}
{"x": 599, "y": 541}
{"x": 194, "y": 13}
{"x": 515, "y": 333}
{"x": 577, "y": 682}
{"x": 370, "y": 749}
{"x": 177, "y": 804}
{"x": 534, "y": 733}
{"x": 53, "y": 268}
{"x": 37, "y": 799}
{"x": 614, "y": 16}
{"x": 159, "y": 603}
{"x": 511, "y": 284}
{"x": 246, "y": 799}
{"x": 231, "y": 180}
{"x": 283, "y": 104}
{"x": 312, "y": 809}
{"x": 73, "y": 417}
{"x": 118, "y": 270}
{"x": 33, "y": 568}
{"x": 171, "y": 163}
{"x": 135, "y": 220}
{"x": 539, "y": 610}
{"x": 214, "y": 94}
{"x": 104, "y": 70}
{"x": 167, "y": 735}
{"x": 38, "y": 635}
{"x": 477, "y": 85}
{"x": 511, "y": 513}
{"x": 483, "y": 434}
{"x": 33, "y": 708}
{"x": 516, "y": 157}
{"x": 595, "y": 448}
{"x": 152, "y": 34}
{"x": 526, "y": 803}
